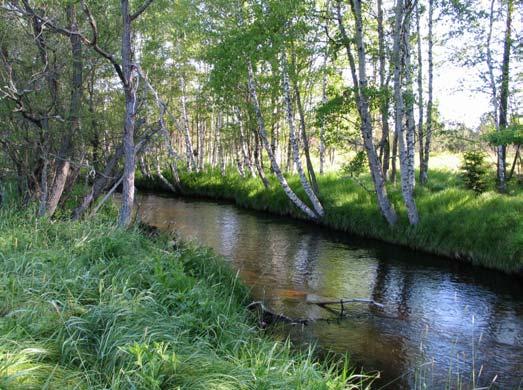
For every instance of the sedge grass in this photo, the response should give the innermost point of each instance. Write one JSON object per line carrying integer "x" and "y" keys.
{"x": 90, "y": 306}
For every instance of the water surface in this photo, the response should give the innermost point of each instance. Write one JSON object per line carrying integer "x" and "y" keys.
{"x": 440, "y": 321}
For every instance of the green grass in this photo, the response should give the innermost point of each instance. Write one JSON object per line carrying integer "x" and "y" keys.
{"x": 90, "y": 306}
{"x": 486, "y": 230}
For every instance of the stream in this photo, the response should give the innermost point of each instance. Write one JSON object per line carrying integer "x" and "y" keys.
{"x": 441, "y": 321}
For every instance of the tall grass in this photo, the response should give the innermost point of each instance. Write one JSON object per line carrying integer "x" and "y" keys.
{"x": 89, "y": 306}
{"x": 486, "y": 230}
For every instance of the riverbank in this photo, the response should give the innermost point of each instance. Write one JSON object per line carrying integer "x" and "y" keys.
{"x": 86, "y": 305}
{"x": 486, "y": 230}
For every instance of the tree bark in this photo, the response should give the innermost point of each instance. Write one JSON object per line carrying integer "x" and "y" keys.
{"x": 189, "y": 154}
{"x": 503, "y": 103}
{"x": 311, "y": 194}
{"x": 259, "y": 168}
{"x": 405, "y": 141}
{"x": 424, "y": 168}
{"x": 274, "y": 164}
{"x": 243, "y": 146}
{"x": 129, "y": 86}
{"x": 384, "y": 98}
{"x": 323, "y": 101}
{"x": 360, "y": 88}
{"x": 63, "y": 165}
{"x": 43, "y": 186}
{"x": 421, "y": 136}
{"x": 305, "y": 138}
{"x": 219, "y": 146}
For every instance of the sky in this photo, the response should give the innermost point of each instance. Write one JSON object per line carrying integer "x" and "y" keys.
{"x": 455, "y": 98}
{"x": 456, "y": 87}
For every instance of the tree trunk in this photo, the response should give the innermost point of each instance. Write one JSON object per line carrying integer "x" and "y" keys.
{"x": 323, "y": 101}
{"x": 259, "y": 168}
{"x": 63, "y": 165}
{"x": 305, "y": 138}
{"x": 503, "y": 103}
{"x": 420, "y": 97}
{"x": 424, "y": 168}
{"x": 311, "y": 194}
{"x": 263, "y": 135}
{"x": 43, "y": 187}
{"x": 384, "y": 98}
{"x": 243, "y": 146}
{"x": 405, "y": 141}
{"x": 101, "y": 182}
{"x": 360, "y": 88}
{"x": 219, "y": 146}
{"x": 191, "y": 164}
{"x": 201, "y": 144}
{"x": 516, "y": 157}
{"x": 129, "y": 86}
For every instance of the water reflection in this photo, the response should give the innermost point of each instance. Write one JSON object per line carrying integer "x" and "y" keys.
{"x": 434, "y": 310}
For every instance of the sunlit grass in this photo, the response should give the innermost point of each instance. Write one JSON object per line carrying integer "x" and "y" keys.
{"x": 90, "y": 306}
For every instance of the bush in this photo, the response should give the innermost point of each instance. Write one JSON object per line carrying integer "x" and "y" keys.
{"x": 474, "y": 171}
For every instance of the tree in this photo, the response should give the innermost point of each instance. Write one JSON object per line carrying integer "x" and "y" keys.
{"x": 359, "y": 79}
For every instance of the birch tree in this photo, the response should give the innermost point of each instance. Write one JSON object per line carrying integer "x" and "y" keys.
{"x": 359, "y": 79}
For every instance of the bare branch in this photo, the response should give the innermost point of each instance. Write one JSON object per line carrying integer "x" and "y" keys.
{"x": 140, "y": 10}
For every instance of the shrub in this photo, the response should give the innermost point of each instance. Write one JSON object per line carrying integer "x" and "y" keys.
{"x": 474, "y": 171}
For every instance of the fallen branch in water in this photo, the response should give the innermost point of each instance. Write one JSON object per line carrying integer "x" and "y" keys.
{"x": 267, "y": 317}
{"x": 342, "y": 302}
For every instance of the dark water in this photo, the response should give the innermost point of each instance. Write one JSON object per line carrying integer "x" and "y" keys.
{"x": 441, "y": 322}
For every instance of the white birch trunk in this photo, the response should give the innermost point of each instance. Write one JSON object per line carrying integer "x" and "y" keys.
{"x": 263, "y": 135}
{"x": 401, "y": 31}
{"x": 191, "y": 163}
{"x": 293, "y": 141}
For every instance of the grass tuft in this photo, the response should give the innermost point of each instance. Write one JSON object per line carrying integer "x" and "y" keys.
{"x": 89, "y": 306}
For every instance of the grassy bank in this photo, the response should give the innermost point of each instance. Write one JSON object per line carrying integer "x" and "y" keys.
{"x": 89, "y": 306}
{"x": 486, "y": 230}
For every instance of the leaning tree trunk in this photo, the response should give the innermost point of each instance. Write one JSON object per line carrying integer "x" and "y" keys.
{"x": 294, "y": 142}
{"x": 101, "y": 182}
{"x": 360, "y": 82}
{"x": 64, "y": 165}
{"x": 274, "y": 164}
{"x": 305, "y": 138}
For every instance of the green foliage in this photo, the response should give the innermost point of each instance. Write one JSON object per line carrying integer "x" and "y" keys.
{"x": 474, "y": 171}
{"x": 357, "y": 166}
{"x": 89, "y": 306}
{"x": 512, "y": 135}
